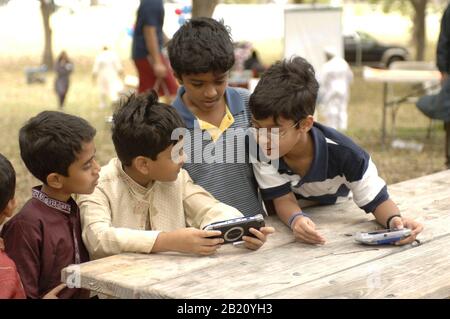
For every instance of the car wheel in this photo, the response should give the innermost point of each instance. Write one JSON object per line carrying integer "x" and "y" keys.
{"x": 393, "y": 59}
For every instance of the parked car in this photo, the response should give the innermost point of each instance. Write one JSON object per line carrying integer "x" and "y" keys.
{"x": 360, "y": 46}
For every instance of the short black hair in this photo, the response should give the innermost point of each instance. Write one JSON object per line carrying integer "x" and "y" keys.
{"x": 7, "y": 182}
{"x": 143, "y": 127}
{"x": 201, "y": 45}
{"x": 287, "y": 89}
{"x": 50, "y": 142}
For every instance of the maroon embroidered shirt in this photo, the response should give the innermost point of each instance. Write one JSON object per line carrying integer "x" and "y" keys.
{"x": 42, "y": 239}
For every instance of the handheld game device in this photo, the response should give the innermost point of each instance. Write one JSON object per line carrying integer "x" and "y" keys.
{"x": 233, "y": 229}
{"x": 382, "y": 237}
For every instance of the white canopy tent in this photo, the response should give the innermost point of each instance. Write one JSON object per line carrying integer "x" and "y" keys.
{"x": 309, "y": 29}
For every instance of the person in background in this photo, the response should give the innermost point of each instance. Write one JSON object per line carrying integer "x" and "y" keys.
{"x": 335, "y": 79}
{"x": 254, "y": 64}
{"x": 443, "y": 64}
{"x": 148, "y": 40}
{"x": 108, "y": 73}
{"x": 63, "y": 69}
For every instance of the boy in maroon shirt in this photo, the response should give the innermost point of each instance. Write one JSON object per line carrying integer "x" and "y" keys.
{"x": 45, "y": 236}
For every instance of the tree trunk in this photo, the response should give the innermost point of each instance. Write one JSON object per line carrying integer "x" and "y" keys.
{"x": 203, "y": 8}
{"x": 47, "y": 10}
{"x": 419, "y": 29}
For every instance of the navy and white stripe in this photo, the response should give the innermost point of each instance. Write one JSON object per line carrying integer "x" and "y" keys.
{"x": 340, "y": 169}
{"x": 231, "y": 183}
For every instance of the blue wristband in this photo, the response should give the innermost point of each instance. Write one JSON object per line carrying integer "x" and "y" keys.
{"x": 294, "y": 216}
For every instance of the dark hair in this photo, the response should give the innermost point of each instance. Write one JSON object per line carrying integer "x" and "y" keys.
{"x": 287, "y": 89}
{"x": 143, "y": 127}
{"x": 7, "y": 182}
{"x": 201, "y": 45}
{"x": 50, "y": 142}
{"x": 63, "y": 55}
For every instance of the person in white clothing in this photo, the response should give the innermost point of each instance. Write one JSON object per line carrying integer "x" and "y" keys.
{"x": 335, "y": 79}
{"x": 108, "y": 73}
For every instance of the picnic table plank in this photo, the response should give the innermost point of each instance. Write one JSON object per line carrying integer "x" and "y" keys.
{"x": 422, "y": 272}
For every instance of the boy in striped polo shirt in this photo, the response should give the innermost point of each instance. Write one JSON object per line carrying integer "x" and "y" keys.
{"x": 306, "y": 163}
{"x": 217, "y": 117}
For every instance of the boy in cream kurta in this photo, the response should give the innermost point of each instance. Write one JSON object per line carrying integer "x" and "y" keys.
{"x": 144, "y": 201}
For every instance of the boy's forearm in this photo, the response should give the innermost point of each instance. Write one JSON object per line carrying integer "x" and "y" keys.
{"x": 102, "y": 239}
{"x": 285, "y": 206}
{"x": 384, "y": 211}
{"x": 164, "y": 242}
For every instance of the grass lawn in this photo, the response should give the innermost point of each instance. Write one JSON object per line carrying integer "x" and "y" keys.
{"x": 19, "y": 101}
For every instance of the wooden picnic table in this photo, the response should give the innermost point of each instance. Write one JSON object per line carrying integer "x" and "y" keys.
{"x": 285, "y": 268}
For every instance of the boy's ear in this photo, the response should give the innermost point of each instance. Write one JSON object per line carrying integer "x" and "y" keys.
{"x": 307, "y": 123}
{"x": 55, "y": 180}
{"x": 141, "y": 164}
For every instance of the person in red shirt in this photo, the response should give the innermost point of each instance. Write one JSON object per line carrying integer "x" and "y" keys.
{"x": 153, "y": 67}
{"x": 10, "y": 284}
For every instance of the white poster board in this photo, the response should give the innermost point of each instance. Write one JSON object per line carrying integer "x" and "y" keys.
{"x": 308, "y": 29}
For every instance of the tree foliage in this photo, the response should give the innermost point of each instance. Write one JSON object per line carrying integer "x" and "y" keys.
{"x": 417, "y": 11}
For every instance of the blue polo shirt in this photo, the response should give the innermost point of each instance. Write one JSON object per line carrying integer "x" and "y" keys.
{"x": 340, "y": 169}
{"x": 150, "y": 13}
{"x": 231, "y": 182}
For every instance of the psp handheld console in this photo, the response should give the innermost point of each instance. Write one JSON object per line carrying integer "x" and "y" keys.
{"x": 233, "y": 229}
{"x": 382, "y": 237}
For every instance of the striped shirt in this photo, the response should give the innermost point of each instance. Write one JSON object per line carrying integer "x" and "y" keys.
{"x": 231, "y": 182}
{"x": 340, "y": 169}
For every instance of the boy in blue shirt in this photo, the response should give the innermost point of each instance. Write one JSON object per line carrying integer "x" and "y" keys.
{"x": 217, "y": 117}
{"x": 315, "y": 164}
